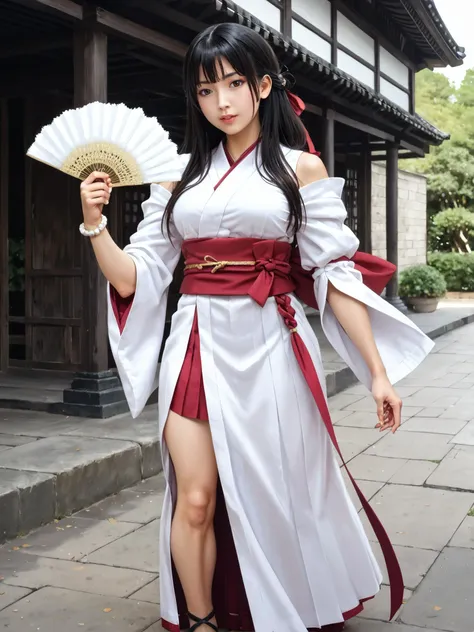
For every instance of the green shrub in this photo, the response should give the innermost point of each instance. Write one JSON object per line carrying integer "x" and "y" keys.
{"x": 422, "y": 281}
{"x": 452, "y": 231}
{"x": 457, "y": 269}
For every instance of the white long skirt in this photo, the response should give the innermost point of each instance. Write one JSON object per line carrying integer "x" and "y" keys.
{"x": 303, "y": 554}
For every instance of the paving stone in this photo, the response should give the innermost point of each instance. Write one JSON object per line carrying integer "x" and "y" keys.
{"x": 464, "y": 536}
{"x": 437, "y": 425}
{"x": 32, "y": 571}
{"x": 375, "y": 468}
{"x": 56, "y": 610}
{"x": 14, "y": 440}
{"x": 379, "y": 606}
{"x": 153, "y": 484}
{"x": 3, "y": 448}
{"x": 341, "y": 400}
{"x": 444, "y": 599}
{"x": 128, "y": 505}
{"x": 459, "y": 411}
{"x": 414, "y": 563}
{"x": 11, "y": 594}
{"x": 339, "y": 415}
{"x": 29, "y": 423}
{"x": 431, "y": 396}
{"x": 72, "y": 538}
{"x": 412, "y": 445}
{"x": 356, "y": 420}
{"x": 466, "y": 435}
{"x": 410, "y": 411}
{"x": 353, "y": 441}
{"x": 137, "y": 550}
{"x": 150, "y": 592}
{"x": 414, "y": 473}
{"x": 366, "y": 625}
{"x": 419, "y": 516}
{"x": 456, "y": 470}
{"x": 87, "y": 469}
{"x": 430, "y": 412}
{"x": 363, "y": 404}
{"x": 27, "y": 500}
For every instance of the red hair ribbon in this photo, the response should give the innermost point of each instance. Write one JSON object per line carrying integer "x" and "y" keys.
{"x": 298, "y": 106}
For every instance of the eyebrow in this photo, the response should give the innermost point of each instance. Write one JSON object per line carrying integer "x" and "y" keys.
{"x": 229, "y": 74}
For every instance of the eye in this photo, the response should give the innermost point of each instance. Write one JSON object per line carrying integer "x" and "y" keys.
{"x": 204, "y": 92}
{"x": 237, "y": 83}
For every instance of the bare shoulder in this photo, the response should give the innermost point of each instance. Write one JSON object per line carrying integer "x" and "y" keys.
{"x": 309, "y": 169}
{"x": 169, "y": 186}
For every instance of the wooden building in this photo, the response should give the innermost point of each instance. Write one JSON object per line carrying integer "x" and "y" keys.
{"x": 354, "y": 62}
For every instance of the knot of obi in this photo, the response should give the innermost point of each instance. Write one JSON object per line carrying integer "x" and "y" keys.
{"x": 237, "y": 266}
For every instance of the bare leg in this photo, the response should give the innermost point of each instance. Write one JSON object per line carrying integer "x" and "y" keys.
{"x": 193, "y": 545}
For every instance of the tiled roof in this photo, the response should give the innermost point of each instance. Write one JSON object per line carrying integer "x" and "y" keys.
{"x": 327, "y": 77}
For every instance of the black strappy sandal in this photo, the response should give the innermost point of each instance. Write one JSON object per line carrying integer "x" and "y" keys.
{"x": 205, "y": 621}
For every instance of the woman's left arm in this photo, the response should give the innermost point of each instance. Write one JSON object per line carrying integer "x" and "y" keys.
{"x": 353, "y": 317}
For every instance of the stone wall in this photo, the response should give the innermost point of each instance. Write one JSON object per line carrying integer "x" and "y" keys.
{"x": 411, "y": 216}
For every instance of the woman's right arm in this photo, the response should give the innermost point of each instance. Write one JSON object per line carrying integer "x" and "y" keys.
{"x": 117, "y": 266}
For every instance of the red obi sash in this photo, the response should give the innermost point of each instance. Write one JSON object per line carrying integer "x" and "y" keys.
{"x": 260, "y": 269}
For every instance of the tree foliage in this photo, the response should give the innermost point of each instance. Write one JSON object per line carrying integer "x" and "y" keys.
{"x": 450, "y": 167}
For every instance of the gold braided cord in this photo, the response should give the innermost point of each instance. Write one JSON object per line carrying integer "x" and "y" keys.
{"x": 210, "y": 262}
{"x": 121, "y": 166}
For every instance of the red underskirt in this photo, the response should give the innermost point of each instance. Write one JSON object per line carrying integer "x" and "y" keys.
{"x": 229, "y": 595}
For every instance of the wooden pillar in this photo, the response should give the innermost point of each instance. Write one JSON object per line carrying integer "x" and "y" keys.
{"x": 328, "y": 141}
{"x": 392, "y": 222}
{"x": 96, "y": 391}
{"x": 364, "y": 202}
{"x": 90, "y": 84}
{"x": 4, "y": 285}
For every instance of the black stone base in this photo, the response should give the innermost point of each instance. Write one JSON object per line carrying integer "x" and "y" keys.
{"x": 397, "y": 302}
{"x": 98, "y": 395}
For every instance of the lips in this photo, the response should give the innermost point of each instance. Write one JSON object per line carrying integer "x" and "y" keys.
{"x": 228, "y": 118}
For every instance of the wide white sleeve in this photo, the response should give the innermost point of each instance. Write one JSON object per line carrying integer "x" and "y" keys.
{"x": 322, "y": 240}
{"x": 136, "y": 349}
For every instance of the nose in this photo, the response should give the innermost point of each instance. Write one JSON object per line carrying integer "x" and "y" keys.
{"x": 223, "y": 100}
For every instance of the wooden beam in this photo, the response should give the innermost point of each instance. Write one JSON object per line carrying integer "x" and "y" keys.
{"x": 11, "y": 47}
{"x": 414, "y": 149}
{"x": 122, "y": 27}
{"x": 4, "y": 289}
{"x": 373, "y": 131}
{"x": 172, "y": 15}
{"x": 66, "y": 8}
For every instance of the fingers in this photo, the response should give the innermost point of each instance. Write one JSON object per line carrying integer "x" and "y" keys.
{"x": 391, "y": 416}
{"x": 97, "y": 175}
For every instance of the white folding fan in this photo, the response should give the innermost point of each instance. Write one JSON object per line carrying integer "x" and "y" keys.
{"x": 131, "y": 147}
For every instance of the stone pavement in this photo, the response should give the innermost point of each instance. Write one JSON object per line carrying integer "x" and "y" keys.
{"x": 98, "y": 570}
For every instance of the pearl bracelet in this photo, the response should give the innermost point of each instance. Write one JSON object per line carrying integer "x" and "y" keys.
{"x": 95, "y": 231}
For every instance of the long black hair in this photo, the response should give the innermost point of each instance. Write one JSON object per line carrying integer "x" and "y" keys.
{"x": 252, "y": 57}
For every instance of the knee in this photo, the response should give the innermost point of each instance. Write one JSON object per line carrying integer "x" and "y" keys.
{"x": 197, "y": 507}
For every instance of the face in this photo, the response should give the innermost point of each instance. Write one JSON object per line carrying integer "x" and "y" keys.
{"x": 228, "y": 104}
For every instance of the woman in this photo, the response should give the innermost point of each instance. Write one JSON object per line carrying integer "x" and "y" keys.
{"x": 257, "y": 529}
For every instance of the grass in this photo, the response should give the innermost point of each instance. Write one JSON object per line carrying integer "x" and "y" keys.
{"x": 471, "y": 513}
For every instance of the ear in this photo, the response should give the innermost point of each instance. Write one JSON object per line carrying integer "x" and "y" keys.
{"x": 265, "y": 86}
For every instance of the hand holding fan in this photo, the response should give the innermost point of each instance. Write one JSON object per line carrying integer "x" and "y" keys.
{"x": 131, "y": 147}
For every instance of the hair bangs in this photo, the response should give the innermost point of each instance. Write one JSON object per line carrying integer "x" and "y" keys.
{"x": 207, "y": 57}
